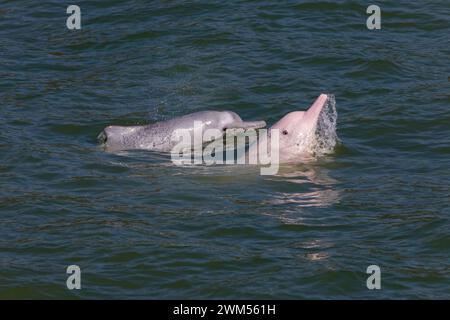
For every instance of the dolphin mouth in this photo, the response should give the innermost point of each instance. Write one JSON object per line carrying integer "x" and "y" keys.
{"x": 247, "y": 125}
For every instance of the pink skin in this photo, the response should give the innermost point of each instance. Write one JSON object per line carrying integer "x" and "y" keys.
{"x": 296, "y": 131}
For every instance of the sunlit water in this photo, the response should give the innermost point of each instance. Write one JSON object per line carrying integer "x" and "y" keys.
{"x": 141, "y": 227}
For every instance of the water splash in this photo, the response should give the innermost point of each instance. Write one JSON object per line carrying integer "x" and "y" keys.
{"x": 325, "y": 137}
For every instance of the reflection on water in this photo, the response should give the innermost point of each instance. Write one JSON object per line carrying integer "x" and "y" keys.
{"x": 318, "y": 198}
{"x": 316, "y": 249}
{"x": 304, "y": 185}
{"x": 317, "y": 190}
{"x": 310, "y": 185}
{"x": 317, "y": 256}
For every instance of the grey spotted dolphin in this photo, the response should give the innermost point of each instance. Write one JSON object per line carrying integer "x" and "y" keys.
{"x": 158, "y": 136}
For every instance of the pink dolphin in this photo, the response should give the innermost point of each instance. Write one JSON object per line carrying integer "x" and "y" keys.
{"x": 305, "y": 134}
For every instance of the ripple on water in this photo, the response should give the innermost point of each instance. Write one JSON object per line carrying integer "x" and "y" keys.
{"x": 141, "y": 227}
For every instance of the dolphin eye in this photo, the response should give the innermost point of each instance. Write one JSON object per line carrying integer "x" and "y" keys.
{"x": 284, "y": 132}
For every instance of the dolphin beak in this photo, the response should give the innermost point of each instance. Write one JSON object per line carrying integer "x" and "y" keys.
{"x": 312, "y": 114}
{"x": 247, "y": 125}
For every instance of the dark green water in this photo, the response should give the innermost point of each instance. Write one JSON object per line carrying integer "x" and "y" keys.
{"x": 141, "y": 227}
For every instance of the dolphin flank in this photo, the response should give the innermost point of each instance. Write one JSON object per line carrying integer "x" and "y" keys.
{"x": 157, "y": 136}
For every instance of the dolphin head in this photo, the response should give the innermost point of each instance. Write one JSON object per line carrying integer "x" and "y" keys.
{"x": 298, "y": 130}
{"x": 119, "y": 137}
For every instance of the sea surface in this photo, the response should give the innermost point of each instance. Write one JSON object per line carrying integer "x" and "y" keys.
{"x": 141, "y": 227}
